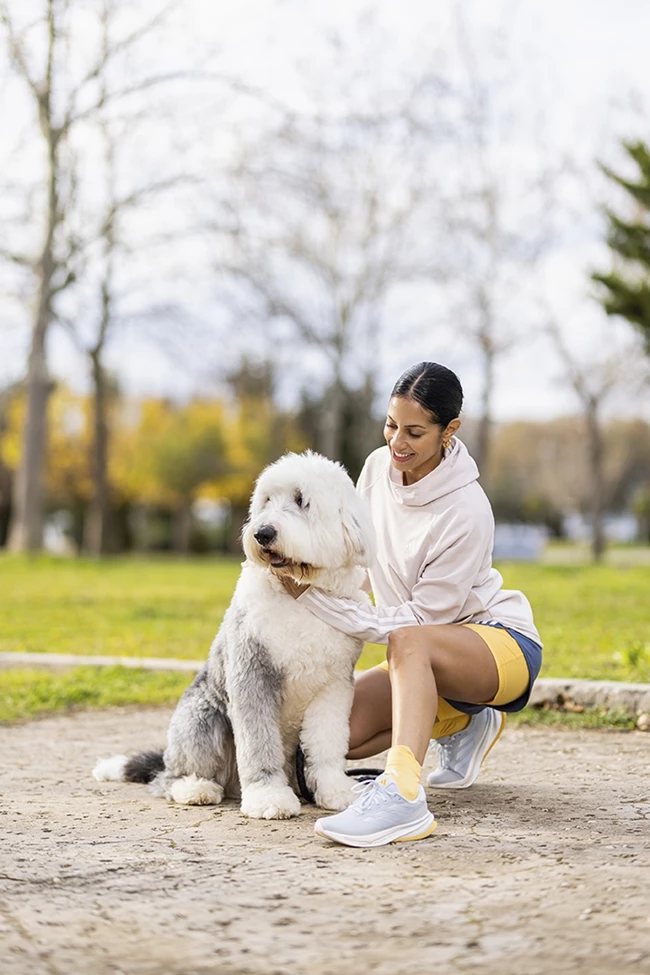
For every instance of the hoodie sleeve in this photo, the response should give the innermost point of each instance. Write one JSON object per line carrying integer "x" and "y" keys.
{"x": 439, "y": 595}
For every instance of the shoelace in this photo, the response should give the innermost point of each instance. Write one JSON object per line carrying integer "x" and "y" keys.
{"x": 445, "y": 748}
{"x": 370, "y": 794}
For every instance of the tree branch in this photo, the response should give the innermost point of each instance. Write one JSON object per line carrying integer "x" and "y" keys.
{"x": 72, "y": 119}
{"x": 109, "y": 52}
{"x": 16, "y": 50}
{"x": 14, "y": 258}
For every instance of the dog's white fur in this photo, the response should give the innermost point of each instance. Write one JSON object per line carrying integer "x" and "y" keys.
{"x": 276, "y": 675}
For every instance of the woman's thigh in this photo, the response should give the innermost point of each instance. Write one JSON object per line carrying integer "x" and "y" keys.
{"x": 462, "y": 663}
{"x": 371, "y": 708}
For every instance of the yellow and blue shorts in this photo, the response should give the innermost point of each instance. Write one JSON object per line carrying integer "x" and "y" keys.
{"x": 518, "y": 660}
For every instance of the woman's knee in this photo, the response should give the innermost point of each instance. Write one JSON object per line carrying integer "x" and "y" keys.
{"x": 402, "y": 644}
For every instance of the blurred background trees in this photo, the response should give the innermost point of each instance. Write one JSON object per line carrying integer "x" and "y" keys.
{"x": 207, "y": 267}
{"x": 328, "y": 215}
{"x": 68, "y": 95}
{"x": 182, "y": 474}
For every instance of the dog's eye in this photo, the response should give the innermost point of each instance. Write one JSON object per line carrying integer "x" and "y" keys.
{"x": 300, "y": 501}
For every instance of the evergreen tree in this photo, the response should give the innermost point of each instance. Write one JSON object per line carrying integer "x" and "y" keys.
{"x": 626, "y": 289}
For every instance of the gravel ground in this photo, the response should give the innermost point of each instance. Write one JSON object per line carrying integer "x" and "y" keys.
{"x": 542, "y": 867}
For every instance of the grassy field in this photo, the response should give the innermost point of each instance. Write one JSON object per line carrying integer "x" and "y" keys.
{"x": 594, "y": 620}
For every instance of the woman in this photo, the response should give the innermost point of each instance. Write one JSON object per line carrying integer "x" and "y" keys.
{"x": 462, "y": 651}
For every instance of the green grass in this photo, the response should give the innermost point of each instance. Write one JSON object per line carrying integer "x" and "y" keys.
{"x": 116, "y": 607}
{"x": 594, "y": 621}
{"x": 26, "y": 693}
{"x": 589, "y": 718}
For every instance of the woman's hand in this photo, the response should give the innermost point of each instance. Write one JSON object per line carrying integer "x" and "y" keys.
{"x": 294, "y": 588}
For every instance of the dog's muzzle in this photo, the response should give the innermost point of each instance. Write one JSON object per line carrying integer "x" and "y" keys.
{"x": 265, "y": 535}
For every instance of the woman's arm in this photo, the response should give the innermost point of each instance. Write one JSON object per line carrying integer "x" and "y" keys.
{"x": 438, "y": 596}
{"x": 371, "y": 623}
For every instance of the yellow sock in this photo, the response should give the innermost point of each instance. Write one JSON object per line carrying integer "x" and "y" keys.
{"x": 403, "y": 768}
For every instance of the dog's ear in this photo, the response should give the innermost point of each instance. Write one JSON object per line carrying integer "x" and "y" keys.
{"x": 358, "y": 533}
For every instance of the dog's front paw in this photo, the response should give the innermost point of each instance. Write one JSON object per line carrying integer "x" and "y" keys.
{"x": 269, "y": 802}
{"x": 333, "y": 790}
{"x": 190, "y": 790}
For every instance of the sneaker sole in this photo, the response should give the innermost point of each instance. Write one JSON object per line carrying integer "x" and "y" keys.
{"x": 418, "y": 830}
{"x": 475, "y": 768}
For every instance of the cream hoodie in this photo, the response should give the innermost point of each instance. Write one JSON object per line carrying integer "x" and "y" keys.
{"x": 434, "y": 562}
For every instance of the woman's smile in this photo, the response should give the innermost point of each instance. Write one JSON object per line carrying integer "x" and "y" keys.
{"x": 400, "y": 457}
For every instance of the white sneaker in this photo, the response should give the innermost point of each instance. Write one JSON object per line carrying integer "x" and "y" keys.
{"x": 380, "y": 815}
{"x": 462, "y": 754}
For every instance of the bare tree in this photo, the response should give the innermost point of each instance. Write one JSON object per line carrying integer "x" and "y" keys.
{"x": 497, "y": 216}
{"x": 323, "y": 224}
{"x": 113, "y": 247}
{"x": 113, "y": 250}
{"x": 27, "y": 525}
{"x": 594, "y": 381}
{"x": 96, "y": 519}
{"x": 61, "y": 107}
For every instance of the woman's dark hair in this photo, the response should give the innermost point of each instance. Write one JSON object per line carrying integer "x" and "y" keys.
{"x": 436, "y": 388}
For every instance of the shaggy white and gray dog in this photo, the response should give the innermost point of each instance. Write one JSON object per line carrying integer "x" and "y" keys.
{"x": 276, "y": 676}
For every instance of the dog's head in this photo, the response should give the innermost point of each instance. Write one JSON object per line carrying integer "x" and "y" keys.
{"x": 306, "y": 518}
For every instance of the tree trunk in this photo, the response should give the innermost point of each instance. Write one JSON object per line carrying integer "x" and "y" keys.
{"x": 95, "y": 540}
{"x": 484, "y": 433}
{"x": 183, "y": 527}
{"x": 98, "y": 511}
{"x": 28, "y": 507}
{"x": 26, "y": 532}
{"x": 236, "y": 522}
{"x": 596, "y": 452}
{"x": 331, "y": 439}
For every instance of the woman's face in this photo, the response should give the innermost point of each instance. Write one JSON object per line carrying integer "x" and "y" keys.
{"x": 414, "y": 440}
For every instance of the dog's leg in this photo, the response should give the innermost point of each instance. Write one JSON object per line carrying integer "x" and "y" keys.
{"x": 254, "y": 689}
{"x": 325, "y": 737}
{"x": 199, "y": 758}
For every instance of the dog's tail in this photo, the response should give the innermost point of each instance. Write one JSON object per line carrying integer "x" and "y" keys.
{"x": 136, "y": 768}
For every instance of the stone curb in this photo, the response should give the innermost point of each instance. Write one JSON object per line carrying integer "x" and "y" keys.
{"x": 610, "y": 694}
{"x": 62, "y": 660}
{"x": 614, "y": 695}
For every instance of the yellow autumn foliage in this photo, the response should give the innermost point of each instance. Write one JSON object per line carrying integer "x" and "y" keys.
{"x": 160, "y": 452}
{"x": 68, "y": 475}
{"x": 166, "y": 453}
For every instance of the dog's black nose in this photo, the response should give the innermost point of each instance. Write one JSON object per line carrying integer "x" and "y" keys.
{"x": 265, "y": 535}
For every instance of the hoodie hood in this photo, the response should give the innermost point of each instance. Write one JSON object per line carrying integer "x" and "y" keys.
{"x": 455, "y": 471}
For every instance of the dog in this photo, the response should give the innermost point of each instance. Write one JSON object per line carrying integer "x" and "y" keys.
{"x": 276, "y": 676}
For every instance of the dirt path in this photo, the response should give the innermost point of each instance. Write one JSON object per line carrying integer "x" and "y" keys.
{"x": 542, "y": 867}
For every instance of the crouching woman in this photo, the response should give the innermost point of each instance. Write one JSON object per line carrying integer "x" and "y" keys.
{"x": 462, "y": 651}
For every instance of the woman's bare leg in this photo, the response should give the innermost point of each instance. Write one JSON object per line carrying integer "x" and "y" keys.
{"x": 374, "y": 746}
{"x": 425, "y": 661}
{"x": 399, "y": 706}
{"x": 370, "y": 719}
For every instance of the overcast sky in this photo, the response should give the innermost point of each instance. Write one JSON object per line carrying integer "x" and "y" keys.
{"x": 584, "y": 63}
